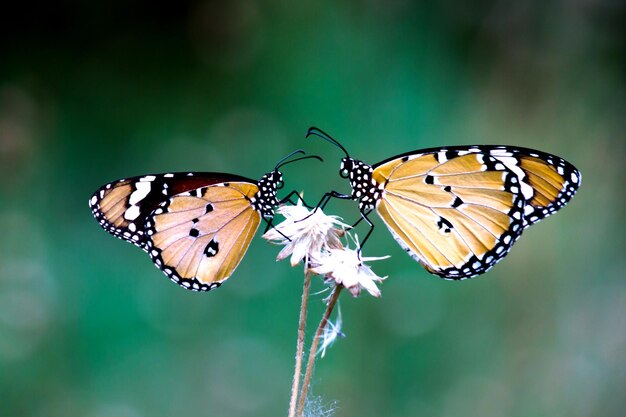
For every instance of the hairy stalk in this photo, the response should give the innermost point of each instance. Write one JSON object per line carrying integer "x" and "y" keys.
{"x": 313, "y": 351}
{"x": 300, "y": 345}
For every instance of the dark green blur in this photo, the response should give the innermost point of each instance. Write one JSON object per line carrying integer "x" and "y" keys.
{"x": 95, "y": 91}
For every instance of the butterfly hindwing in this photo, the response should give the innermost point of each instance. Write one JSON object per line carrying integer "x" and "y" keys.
{"x": 199, "y": 237}
{"x": 456, "y": 212}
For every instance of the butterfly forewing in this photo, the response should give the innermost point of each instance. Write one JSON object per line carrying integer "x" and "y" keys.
{"x": 198, "y": 238}
{"x": 547, "y": 181}
{"x": 122, "y": 207}
{"x": 457, "y": 213}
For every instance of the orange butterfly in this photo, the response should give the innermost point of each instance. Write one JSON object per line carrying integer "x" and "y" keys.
{"x": 458, "y": 210}
{"x": 195, "y": 226}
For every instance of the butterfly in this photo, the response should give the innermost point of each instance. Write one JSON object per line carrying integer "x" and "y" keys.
{"x": 458, "y": 210}
{"x": 195, "y": 226}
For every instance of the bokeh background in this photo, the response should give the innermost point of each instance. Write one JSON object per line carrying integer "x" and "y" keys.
{"x": 93, "y": 91}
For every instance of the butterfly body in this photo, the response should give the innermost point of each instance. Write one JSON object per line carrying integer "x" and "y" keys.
{"x": 365, "y": 189}
{"x": 196, "y": 227}
{"x": 458, "y": 210}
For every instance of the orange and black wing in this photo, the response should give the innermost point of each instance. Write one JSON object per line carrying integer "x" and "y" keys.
{"x": 547, "y": 182}
{"x": 195, "y": 226}
{"x": 198, "y": 238}
{"x": 122, "y": 207}
{"x": 459, "y": 210}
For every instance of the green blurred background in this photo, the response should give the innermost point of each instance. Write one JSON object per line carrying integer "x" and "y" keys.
{"x": 95, "y": 91}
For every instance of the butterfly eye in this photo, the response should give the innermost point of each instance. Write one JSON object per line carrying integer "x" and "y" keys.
{"x": 344, "y": 173}
{"x": 279, "y": 184}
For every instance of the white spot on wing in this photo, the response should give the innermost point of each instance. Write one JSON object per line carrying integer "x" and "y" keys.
{"x": 527, "y": 191}
{"x": 143, "y": 188}
{"x": 132, "y": 213}
{"x": 511, "y": 163}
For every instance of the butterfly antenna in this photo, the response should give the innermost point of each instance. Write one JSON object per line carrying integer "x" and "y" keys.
{"x": 298, "y": 159}
{"x": 280, "y": 163}
{"x": 320, "y": 133}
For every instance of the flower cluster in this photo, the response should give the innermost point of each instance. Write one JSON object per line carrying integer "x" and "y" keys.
{"x": 315, "y": 238}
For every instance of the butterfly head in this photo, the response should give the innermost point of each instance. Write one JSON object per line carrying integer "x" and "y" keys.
{"x": 364, "y": 188}
{"x": 265, "y": 199}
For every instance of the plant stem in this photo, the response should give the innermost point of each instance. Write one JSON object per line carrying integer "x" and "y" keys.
{"x": 313, "y": 351}
{"x": 300, "y": 344}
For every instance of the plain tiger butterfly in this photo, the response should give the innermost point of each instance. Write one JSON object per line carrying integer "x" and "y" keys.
{"x": 458, "y": 210}
{"x": 195, "y": 226}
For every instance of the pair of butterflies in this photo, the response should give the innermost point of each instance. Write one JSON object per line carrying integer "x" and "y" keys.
{"x": 456, "y": 210}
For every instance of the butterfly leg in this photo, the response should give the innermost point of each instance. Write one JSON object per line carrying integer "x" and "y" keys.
{"x": 325, "y": 199}
{"x": 298, "y": 196}
{"x": 369, "y": 222}
{"x": 271, "y": 225}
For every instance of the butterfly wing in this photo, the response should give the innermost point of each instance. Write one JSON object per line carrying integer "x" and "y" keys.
{"x": 196, "y": 227}
{"x": 122, "y": 207}
{"x": 547, "y": 182}
{"x": 459, "y": 210}
{"x": 198, "y": 238}
{"x": 456, "y": 215}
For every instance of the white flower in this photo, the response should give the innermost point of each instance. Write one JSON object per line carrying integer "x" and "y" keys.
{"x": 309, "y": 232}
{"x": 345, "y": 266}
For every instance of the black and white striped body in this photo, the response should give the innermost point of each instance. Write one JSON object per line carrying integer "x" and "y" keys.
{"x": 365, "y": 189}
{"x": 264, "y": 201}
